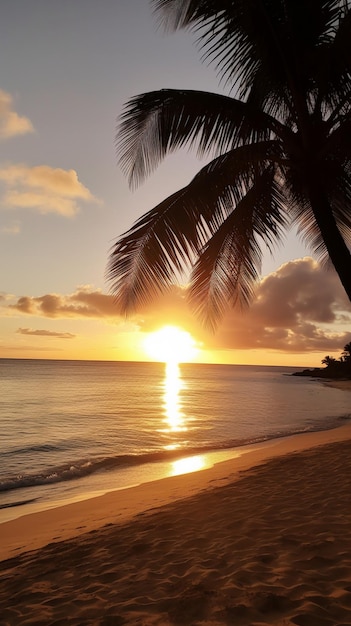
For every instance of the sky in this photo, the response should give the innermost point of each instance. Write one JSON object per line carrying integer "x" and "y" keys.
{"x": 68, "y": 68}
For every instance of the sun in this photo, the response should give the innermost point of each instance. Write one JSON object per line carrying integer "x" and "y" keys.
{"x": 170, "y": 345}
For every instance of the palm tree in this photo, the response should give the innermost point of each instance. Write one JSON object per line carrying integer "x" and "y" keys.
{"x": 346, "y": 354}
{"x": 329, "y": 361}
{"x": 280, "y": 149}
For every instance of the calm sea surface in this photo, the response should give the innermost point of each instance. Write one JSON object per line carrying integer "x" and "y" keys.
{"x": 71, "y": 429}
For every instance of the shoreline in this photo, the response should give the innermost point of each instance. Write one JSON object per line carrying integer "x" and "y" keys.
{"x": 186, "y": 462}
{"x": 344, "y": 385}
{"x": 96, "y": 484}
{"x": 263, "y": 539}
{"x": 33, "y": 531}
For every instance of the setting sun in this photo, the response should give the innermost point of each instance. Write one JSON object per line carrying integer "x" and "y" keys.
{"x": 170, "y": 345}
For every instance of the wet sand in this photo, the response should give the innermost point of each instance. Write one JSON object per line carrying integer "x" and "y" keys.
{"x": 264, "y": 538}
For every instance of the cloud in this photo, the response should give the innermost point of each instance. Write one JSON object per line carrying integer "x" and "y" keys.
{"x": 21, "y": 348}
{"x": 299, "y": 308}
{"x": 44, "y": 333}
{"x": 83, "y": 303}
{"x": 43, "y": 189}
{"x": 11, "y": 124}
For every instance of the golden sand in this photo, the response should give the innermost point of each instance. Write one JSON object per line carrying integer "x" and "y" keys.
{"x": 262, "y": 539}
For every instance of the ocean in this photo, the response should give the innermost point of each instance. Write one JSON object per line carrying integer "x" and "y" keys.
{"x": 73, "y": 429}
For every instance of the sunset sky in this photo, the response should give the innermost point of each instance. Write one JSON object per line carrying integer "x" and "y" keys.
{"x": 67, "y": 69}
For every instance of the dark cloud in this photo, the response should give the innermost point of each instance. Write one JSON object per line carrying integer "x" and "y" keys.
{"x": 44, "y": 333}
{"x": 82, "y": 303}
{"x": 299, "y": 308}
{"x": 295, "y": 310}
{"x": 22, "y": 349}
{"x": 24, "y": 305}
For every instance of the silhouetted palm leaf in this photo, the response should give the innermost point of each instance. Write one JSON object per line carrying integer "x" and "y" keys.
{"x": 282, "y": 151}
{"x": 159, "y": 122}
{"x": 165, "y": 240}
{"x": 229, "y": 264}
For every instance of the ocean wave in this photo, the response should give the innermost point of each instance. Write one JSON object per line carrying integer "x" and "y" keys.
{"x": 44, "y": 447}
{"x": 85, "y": 467}
{"x": 8, "y": 505}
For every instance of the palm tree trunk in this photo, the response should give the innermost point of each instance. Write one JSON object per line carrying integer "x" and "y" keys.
{"x": 338, "y": 251}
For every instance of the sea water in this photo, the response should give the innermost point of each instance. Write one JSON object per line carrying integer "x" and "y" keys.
{"x": 72, "y": 429}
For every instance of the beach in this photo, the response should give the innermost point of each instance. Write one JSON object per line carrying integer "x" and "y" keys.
{"x": 264, "y": 538}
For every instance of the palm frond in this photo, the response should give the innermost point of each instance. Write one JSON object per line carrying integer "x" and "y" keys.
{"x": 341, "y": 201}
{"x": 165, "y": 241}
{"x": 228, "y": 266}
{"x": 307, "y": 228}
{"x": 243, "y": 36}
{"x": 156, "y": 123}
{"x": 174, "y": 14}
{"x": 336, "y": 186}
{"x": 278, "y": 150}
{"x": 331, "y": 63}
{"x": 146, "y": 258}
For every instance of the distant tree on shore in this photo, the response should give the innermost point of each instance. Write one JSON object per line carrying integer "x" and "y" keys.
{"x": 339, "y": 368}
{"x": 329, "y": 361}
{"x": 281, "y": 147}
{"x": 346, "y": 355}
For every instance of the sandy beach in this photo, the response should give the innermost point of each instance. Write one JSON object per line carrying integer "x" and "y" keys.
{"x": 264, "y": 538}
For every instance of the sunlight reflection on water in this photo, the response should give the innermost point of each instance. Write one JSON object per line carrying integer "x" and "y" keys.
{"x": 173, "y": 384}
{"x": 190, "y": 464}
